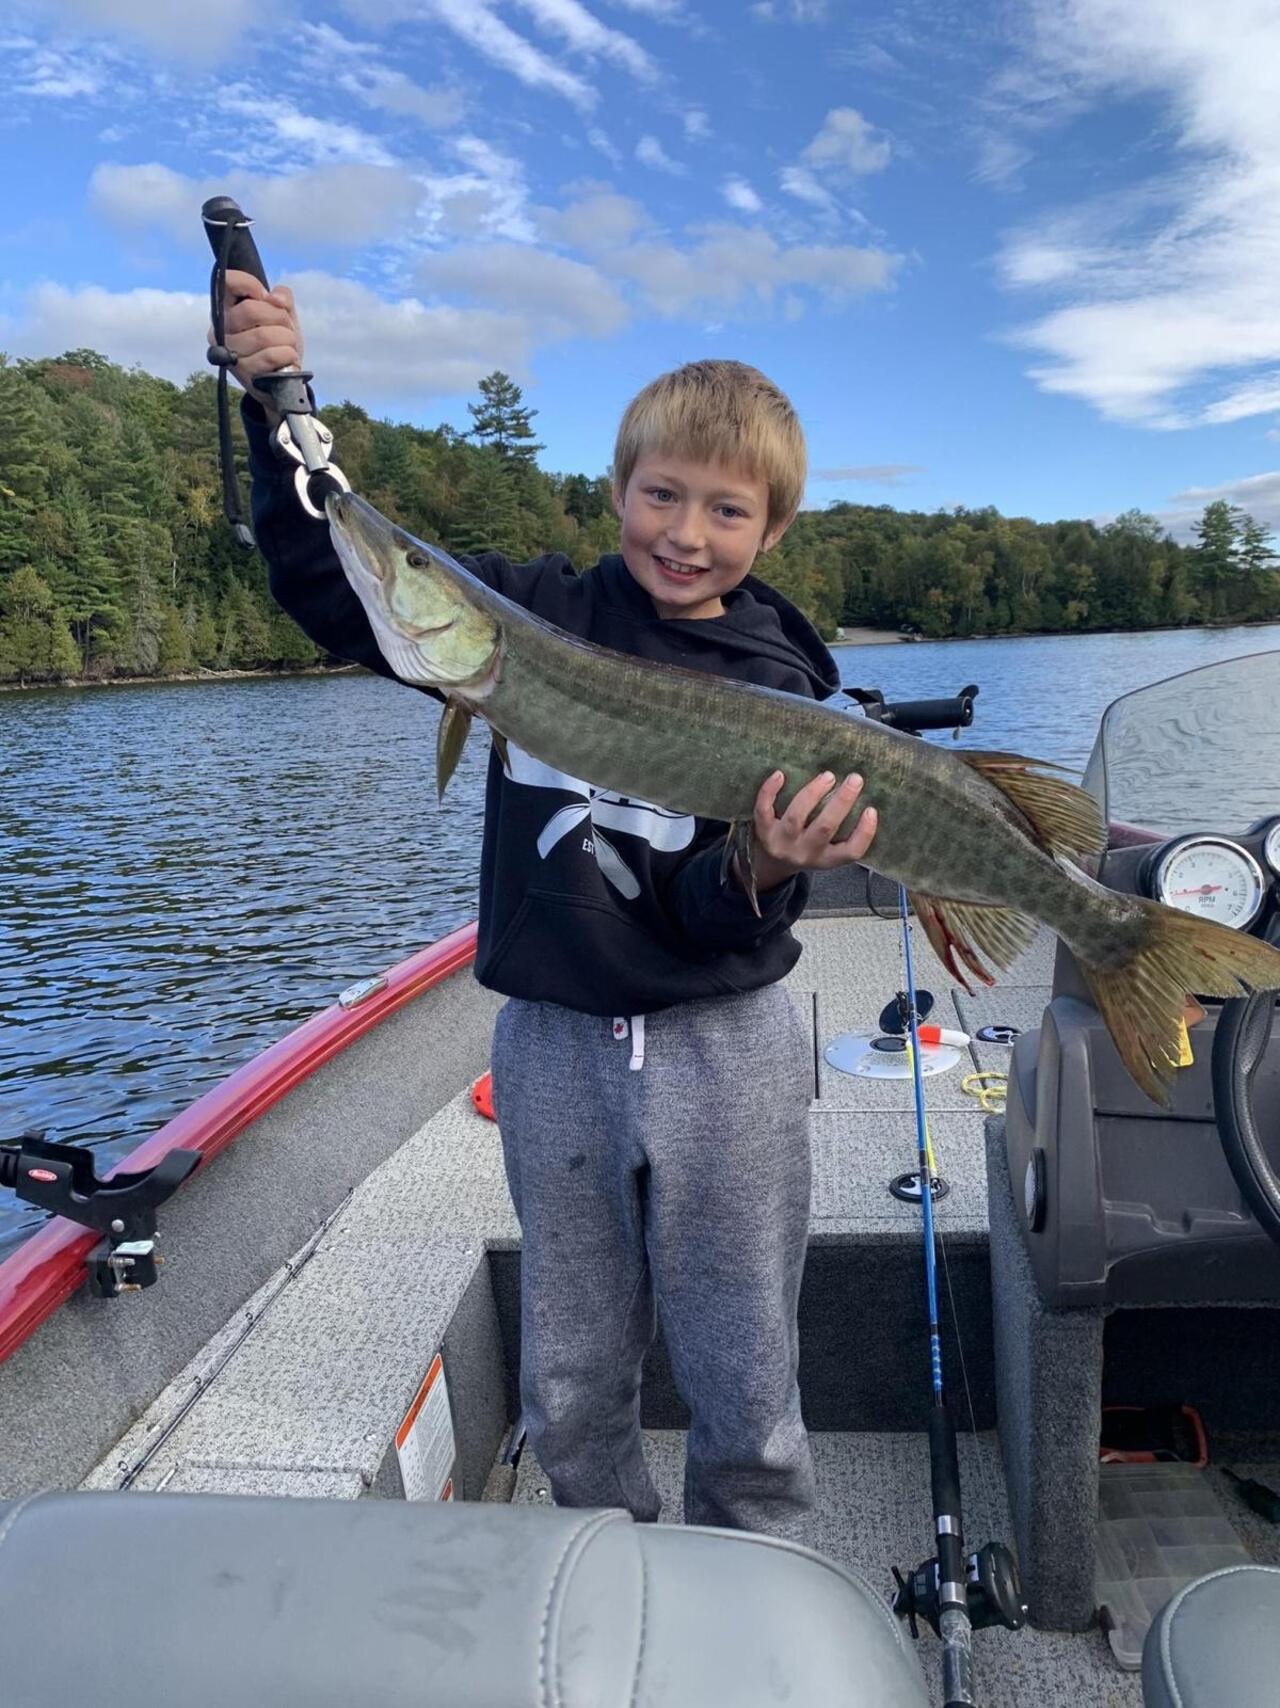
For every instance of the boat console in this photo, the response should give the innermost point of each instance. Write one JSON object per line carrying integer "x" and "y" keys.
{"x": 1117, "y": 1226}
{"x": 1121, "y": 1202}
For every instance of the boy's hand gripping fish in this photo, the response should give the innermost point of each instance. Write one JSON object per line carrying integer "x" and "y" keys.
{"x": 986, "y": 846}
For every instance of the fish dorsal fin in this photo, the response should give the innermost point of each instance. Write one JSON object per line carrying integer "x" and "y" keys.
{"x": 969, "y": 929}
{"x": 1063, "y": 817}
{"x": 451, "y": 738}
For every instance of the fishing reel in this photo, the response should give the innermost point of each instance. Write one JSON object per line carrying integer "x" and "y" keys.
{"x": 993, "y": 1591}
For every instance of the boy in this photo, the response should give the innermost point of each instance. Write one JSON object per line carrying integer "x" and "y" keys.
{"x": 651, "y": 1077}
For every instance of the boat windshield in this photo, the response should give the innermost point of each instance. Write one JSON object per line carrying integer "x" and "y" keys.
{"x": 1199, "y": 751}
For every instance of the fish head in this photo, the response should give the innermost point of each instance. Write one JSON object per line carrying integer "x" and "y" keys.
{"x": 431, "y": 618}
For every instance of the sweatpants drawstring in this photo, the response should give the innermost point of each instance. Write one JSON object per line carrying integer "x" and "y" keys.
{"x": 634, "y": 1029}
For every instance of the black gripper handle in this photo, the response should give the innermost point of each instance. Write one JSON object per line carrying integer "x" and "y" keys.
{"x": 216, "y": 213}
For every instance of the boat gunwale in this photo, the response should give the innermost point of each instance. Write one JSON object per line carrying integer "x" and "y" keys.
{"x": 38, "y": 1278}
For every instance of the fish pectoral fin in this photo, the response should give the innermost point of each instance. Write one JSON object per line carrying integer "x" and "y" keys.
{"x": 739, "y": 845}
{"x": 451, "y": 738}
{"x": 968, "y": 930}
{"x": 500, "y": 745}
{"x": 1064, "y": 819}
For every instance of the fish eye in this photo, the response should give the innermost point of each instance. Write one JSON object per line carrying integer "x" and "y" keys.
{"x": 416, "y": 559}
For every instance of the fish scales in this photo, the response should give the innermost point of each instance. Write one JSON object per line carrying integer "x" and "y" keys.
{"x": 589, "y": 712}
{"x": 986, "y": 845}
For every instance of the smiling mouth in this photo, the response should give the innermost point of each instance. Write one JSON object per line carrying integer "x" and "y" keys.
{"x": 685, "y": 571}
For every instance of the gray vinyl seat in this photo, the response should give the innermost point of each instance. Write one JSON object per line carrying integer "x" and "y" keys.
{"x": 1217, "y": 1643}
{"x": 206, "y": 1600}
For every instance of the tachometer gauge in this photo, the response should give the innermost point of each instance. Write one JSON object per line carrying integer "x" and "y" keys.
{"x": 1271, "y": 847}
{"x": 1212, "y": 877}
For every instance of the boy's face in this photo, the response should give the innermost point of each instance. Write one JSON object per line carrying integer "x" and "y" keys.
{"x": 691, "y": 531}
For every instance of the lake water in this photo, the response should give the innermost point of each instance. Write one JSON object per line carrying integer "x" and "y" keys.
{"x": 189, "y": 869}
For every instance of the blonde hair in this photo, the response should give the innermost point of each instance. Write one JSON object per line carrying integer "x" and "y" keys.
{"x": 719, "y": 412}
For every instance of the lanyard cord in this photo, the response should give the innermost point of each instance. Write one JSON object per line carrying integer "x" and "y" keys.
{"x": 223, "y": 359}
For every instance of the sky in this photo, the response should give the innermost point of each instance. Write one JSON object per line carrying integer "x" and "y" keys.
{"x": 1024, "y": 254}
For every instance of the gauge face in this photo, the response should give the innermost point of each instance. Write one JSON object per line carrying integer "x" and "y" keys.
{"x": 1271, "y": 847}
{"x": 1216, "y": 879}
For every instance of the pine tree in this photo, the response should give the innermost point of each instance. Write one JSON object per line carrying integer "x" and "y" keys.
{"x": 487, "y": 519}
{"x": 1216, "y": 558}
{"x": 34, "y": 642}
{"x": 501, "y": 422}
{"x": 1257, "y": 559}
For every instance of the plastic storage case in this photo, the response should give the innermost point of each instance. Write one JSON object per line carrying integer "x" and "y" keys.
{"x": 1159, "y": 1526}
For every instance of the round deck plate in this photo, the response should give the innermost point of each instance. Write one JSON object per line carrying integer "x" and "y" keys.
{"x": 851, "y": 1052}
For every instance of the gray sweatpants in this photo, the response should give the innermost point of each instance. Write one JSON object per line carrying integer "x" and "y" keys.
{"x": 660, "y": 1169}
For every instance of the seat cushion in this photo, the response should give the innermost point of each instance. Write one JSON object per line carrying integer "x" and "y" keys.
{"x": 205, "y": 1600}
{"x": 1217, "y": 1643}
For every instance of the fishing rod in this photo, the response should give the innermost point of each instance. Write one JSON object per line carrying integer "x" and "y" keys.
{"x": 299, "y": 436}
{"x": 955, "y": 1592}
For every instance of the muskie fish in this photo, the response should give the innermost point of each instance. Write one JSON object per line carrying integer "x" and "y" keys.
{"x": 986, "y": 845}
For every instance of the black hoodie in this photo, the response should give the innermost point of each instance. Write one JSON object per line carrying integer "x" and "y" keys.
{"x": 602, "y": 904}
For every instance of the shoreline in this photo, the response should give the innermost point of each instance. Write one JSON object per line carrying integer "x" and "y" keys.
{"x": 181, "y": 676}
{"x": 855, "y": 636}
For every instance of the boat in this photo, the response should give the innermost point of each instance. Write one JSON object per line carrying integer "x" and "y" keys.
{"x": 322, "y": 1382}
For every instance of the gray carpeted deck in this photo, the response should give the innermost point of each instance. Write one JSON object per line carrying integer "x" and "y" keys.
{"x": 873, "y": 1513}
{"x": 307, "y": 1404}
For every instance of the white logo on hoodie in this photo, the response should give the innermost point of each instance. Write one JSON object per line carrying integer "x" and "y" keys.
{"x": 667, "y": 832}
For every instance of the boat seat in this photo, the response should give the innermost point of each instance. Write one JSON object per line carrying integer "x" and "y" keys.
{"x": 1217, "y": 1643}
{"x": 291, "y": 1603}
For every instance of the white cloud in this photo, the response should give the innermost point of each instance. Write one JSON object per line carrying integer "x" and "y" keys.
{"x": 728, "y": 268}
{"x": 650, "y": 152}
{"x": 1000, "y": 160}
{"x": 341, "y": 205}
{"x": 877, "y": 474}
{"x": 848, "y": 143}
{"x": 739, "y": 194}
{"x": 358, "y": 69}
{"x": 664, "y": 10}
{"x": 799, "y": 182}
{"x": 562, "y": 297}
{"x": 289, "y": 132}
{"x": 585, "y": 34}
{"x": 1169, "y": 302}
{"x": 799, "y": 11}
{"x": 359, "y": 344}
{"x": 488, "y": 194}
{"x": 162, "y": 330}
{"x": 393, "y": 92}
{"x": 50, "y": 74}
{"x": 697, "y": 126}
{"x": 473, "y": 22}
{"x": 182, "y": 31}
{"x": 597, "y": 220}
{"x": 604, "y": 142}
{"x": 1259, "y": 494}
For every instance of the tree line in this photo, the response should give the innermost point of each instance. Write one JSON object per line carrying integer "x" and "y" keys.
{"x": 115, "y": 559}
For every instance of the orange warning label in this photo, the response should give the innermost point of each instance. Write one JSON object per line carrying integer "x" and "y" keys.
{"x": 425, "y": 1443}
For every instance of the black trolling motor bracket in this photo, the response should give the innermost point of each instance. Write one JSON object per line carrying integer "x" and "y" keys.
{"x": 301, "y": 437}
{"x": 60, "y": 1178}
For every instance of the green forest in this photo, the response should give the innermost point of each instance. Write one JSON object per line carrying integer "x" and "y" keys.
{"x": 115, "y": 559}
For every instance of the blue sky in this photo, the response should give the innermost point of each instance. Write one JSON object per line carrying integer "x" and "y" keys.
{"x": 1025, "y": 254}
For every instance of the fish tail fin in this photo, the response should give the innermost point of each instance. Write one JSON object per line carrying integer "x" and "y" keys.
{"x": 1141, "y": 994}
